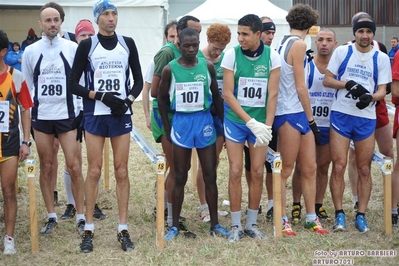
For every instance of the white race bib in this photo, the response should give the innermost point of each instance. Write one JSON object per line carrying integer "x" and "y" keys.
{"x": 189, "y": 96}
{"x": 251, "y": 92}
{"x": 52, "y": 88}
{"x": 4, "y": 116}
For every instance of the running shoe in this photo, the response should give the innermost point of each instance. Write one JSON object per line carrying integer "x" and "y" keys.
{"x": 287, "y": 230}
{"x": 9, "y": 247}
{"x": 172, "y": 234}
{"x": 316, "y": 227}
{"x": 87, "y": 241}
{"x": 296, "y": 214}
{"x": 81, "y": 226}
{"x": 219, "y": 230}
{"x": 49, "y": 227}
{"x": 204, "y": 214}
{"x": 254, "y": 232}
{"x": 69, "y": 213}
{"x": 340, "y": 222}
{"x": 124, "y": 238}
{"x": 322, "y": 215}
{"x": 394, "y": 220}
{"x": 361, "y": 224}
{"x": 187, "y": 233}
{"x": 269, "y": 215}
{"x": 235, "y": 234}
{"x": 98, "y": 213}
{"x": 355, "y": 207}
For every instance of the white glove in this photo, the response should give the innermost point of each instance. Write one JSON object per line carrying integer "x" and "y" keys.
{"x": 262, "y": 132}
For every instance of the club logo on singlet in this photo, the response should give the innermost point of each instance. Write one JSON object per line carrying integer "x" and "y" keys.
{"x": 200, "y": 77}
{"x": 208, "y": 131}
{"x": 260, "y": 71}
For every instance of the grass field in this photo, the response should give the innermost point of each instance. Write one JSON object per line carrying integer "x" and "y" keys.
{"x": 62, "y": 247}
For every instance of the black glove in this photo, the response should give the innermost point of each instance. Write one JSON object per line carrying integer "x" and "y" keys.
{"x": 308, "y": 54}
{"x": 121, "y": 111}
{"x": 316, "y": 131}
{"x": 77, "y": 123}
{"x": 110, "y": 100}
{"x": 388, "y": 88}
{"x": 355, "y": 89}
{"x": 364, "y": 101}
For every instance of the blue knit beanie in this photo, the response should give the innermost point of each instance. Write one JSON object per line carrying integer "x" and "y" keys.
{"x": 101, "y": 6}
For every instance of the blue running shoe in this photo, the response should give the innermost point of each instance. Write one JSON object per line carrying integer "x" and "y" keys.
{"x": 340, "y": 222}
{"x": 219, "y": 230}
{"x": 172, "y": 234}
{"x": 361, "y": 224}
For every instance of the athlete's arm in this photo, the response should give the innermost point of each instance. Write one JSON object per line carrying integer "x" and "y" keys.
{"x": 272, "y": 90}
{"x": 216, "y": 98}
{"x": 296, "y": 56}
{"x": 146, "y": 103}
{"x": 163, "y": 98}
{"x": 79, "y": 65}
{"x": 135, "y": 67}
{"x": 161, "y": 59}
{"x": 330, "y": 81}
{"x": 27, "y": 70}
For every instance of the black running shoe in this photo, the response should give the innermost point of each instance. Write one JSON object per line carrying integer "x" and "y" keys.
{"x": 87, "y": 241}
{"x": 394, "y": 220}
{"x": 81, "y": 226}
{"x": 269, "y": 215}
{"x": 187, "y": 233}
{"x": 69, "y": 213}
{"x": 49, "y": 227}
{"x": 124, "y": 238}
{"x": 98, "y": 213}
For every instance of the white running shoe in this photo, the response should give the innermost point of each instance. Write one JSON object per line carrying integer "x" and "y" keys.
{"x": 204, "y": 214}
{"x": 9, "y": 248}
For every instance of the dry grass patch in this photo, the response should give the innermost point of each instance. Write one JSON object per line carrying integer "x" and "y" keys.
{"x": 62, "y": 247}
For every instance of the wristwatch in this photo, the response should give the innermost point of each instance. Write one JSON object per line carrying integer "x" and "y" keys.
{"x": 131, "y": 98}
{"x": 27, "y": 143}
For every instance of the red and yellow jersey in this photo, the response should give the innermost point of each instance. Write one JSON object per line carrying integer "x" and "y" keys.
{"x": 13, "y": 93}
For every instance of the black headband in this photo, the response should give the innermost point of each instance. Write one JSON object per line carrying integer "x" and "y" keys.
{"x": 364, "y": 24}
{"x": 268, "y": 26}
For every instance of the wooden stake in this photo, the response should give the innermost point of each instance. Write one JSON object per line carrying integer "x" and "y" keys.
{"x": 106, "y": 164}
{"x": 386, "y": 172}
{"x": 277, "y": 209}
{"x": 160, "y": 166}
{"x": 30, "y": 170}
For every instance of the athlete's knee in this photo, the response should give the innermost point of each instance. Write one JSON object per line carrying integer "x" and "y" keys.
{"x": 364, "y": 171}
{"x": 235, "y": 172}
{"x": 180, "y": 181}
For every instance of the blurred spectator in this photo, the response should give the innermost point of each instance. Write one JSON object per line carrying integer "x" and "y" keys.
{"x": 395, "y": 47}
{"x": 14, "y": 56}
{"x": 31, "y": 38}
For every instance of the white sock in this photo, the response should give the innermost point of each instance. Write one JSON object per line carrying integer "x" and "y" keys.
{"x": 68, "y": 188}
{"x": 89, "y": 227}
{"x": 310, "y": 217}
{"x": 355, "y": 199}
{"x": 80, "y": 217}
{"x": 270, "y": 204}
{"x": 202, "y": 207}
{"x": 394, "y": 211}
{"x": 236, "y": 219}
{"x": 53, "y": 215}
{"x": 122, "y": 227}
{"x": 252, "y": 216}
{"x": 170, "y": 217}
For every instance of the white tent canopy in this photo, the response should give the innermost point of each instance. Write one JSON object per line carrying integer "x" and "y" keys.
{"x": 230, "y": 11}
{"x": 143, "y": 20}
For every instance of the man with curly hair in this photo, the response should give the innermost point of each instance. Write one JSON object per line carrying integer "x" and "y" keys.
{"x": 294, "y": 122}
{"x": 218, "y": 36}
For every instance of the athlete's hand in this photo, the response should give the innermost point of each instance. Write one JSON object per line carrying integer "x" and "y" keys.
{"x": 78, "y": 120}
{"x": 316, "y": 131}
{"x": 121, "y": 111}
{"x": 388, "y": 88}
{"x": 110, "y": 100}
{"x": 355, "y": 89}
{"x": 261, "y": 131}
{"x": 364, "y": 101}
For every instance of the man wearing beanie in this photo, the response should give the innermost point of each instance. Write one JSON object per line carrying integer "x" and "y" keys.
{"x": 46, "y": 66}
{"x": 383, "y": 137}
{"x": 360, "y": 74}
{"x": 31, "y": 38}
{"x": 107, "y": 101}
